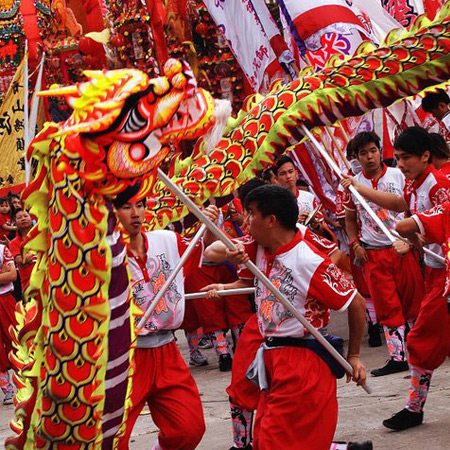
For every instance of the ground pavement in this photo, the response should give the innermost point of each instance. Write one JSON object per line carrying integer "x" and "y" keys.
{"x": 360, "y": 415}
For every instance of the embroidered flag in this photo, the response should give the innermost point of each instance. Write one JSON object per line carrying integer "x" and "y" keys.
{"x": 322, "y": 28}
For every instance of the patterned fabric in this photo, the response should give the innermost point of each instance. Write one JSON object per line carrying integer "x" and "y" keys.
{"x": 241, "y": 422}
{"x": 418, "y": 389}
{"x": 395, "y": 338}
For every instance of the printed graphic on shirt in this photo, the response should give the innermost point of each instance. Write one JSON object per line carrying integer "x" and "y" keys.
{"x": 165, "y": 309}
{"x": 271, "y": 311}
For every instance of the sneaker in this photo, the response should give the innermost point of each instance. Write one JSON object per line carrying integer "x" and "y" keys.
{"x": 197, "y": 359}
{"x": 8, "y": 400}
{"x": 391, "y": 367}
{"x": 366, "y": 445}
{"x": 225, "y": 362}
{"x": 374, "y": 335}
{"x": 205, "y": 342}
{"x": 403, "y": 420}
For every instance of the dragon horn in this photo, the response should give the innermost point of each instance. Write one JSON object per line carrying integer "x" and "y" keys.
{"x": 57, "y": 91}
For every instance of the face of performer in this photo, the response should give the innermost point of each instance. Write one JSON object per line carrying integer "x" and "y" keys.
{"x": 440, "y": 111}
{"x": 131, "y": 216}
{"x": 259, "y": 226}
{"x": 369, "y": 156}
{"x": 287, "y": 176}
{"x": 412, "y": 166}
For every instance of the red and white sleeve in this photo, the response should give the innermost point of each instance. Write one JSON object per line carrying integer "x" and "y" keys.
{"x": 432, "y": 223}
{"x": 330, "y": 286}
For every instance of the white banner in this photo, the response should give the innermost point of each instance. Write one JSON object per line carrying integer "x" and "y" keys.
{"x": 239, "y": 23}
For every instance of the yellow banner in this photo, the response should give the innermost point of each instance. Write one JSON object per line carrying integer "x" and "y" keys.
{"x": 12, "y": 141}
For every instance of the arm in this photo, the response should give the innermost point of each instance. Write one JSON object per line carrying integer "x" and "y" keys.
{"x": 218, "y": 252}
{"x": 351, "y": 227}
{"x": 9, "y": 227}
{"x": 356, "y": 326}
{"x": 213, "y": 288}
{"x": 384, "y": 199}
{"x": 8, "y": 274}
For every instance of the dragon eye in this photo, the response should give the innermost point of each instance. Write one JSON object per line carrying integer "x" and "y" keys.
{"x": 138, "y": 152}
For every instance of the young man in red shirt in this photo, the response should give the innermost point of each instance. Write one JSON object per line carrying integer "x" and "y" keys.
{"x": 160, "y": 378}
{"x": 299, "y": 409}
{"x": 425, "y": 188}
{"x": 395, "y": 282}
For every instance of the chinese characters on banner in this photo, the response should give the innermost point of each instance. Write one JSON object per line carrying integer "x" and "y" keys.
{"x": 12, "y": 142}
{"x": 239, "y": 23}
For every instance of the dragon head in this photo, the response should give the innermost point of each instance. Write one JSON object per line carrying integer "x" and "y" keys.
{"x": 124, "y": 123}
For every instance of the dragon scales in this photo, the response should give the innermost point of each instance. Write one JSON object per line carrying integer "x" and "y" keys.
{"x": 121, "y": 129}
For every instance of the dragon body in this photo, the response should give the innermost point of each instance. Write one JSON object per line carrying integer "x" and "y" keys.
{"x": 123, "y": 126}
{"x": 74, "y": 385}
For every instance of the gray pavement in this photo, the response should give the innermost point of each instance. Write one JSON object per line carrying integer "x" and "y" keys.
{"x": 360, "y": 415}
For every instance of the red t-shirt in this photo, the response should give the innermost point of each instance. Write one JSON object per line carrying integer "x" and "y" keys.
{"x": 4, "y": 220}
{"x": 24, "y": 271}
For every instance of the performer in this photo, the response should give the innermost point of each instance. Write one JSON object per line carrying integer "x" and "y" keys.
{"x": 425, "y": 188}
{"x": 395, "y": 282}
{"x": 287, "y": 177}
{"x": 440, "y": 154}
{"x": 293, "y": 414}
{"x": 438, "y": 105}
{"x": 160, "y": 378}
{"x": 429, "y": 340}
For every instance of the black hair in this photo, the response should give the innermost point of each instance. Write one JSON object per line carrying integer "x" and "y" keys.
{"x": 246, "y": 188}
{"x": 276, "y": 200}
{"x": 266, "y": 175}
{"x": 127, "y": 194}
{"x": 350, "y": 150}
{"x": 364, "y": 138}
{"x": 439, "y": 147}
{"x": 432, "y": 100}
{"x": 281, "y": 161}
{"x": 302, "y": 183}
{"x": 4, "y": 200}
{"x": 18, "y": 210}
{"x": 414, "y": 141}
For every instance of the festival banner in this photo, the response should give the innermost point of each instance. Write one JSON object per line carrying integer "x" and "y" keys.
{"x": 12, "y": 127}
{"x": 403, "y": 11}
{"x": 238, "y": 22}
{"x": 323, "y": 28}
{"x": 374, "y": 18}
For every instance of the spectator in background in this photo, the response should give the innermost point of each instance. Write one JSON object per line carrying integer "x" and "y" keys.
{"x": 25, "y": 263}
{"x": 7, "y": 319}
{"x": 6, "y": 223}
